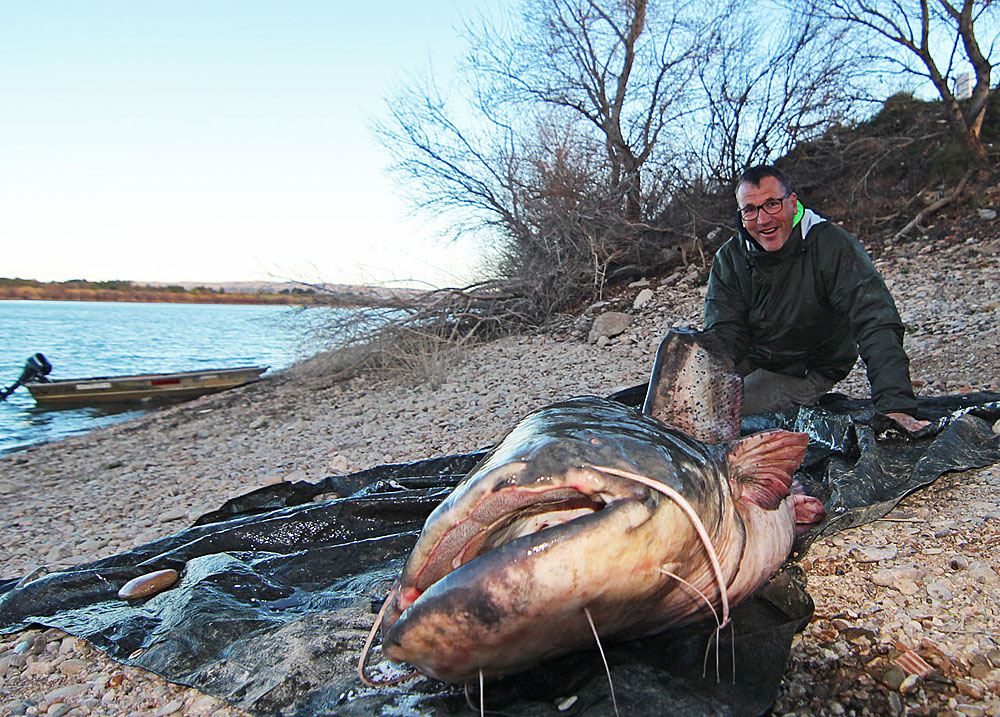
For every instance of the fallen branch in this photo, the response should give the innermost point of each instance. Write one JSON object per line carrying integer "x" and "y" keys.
{"x": 934, "y": 206}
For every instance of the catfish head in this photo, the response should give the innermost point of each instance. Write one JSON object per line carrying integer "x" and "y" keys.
{"x": 555, "y": 535}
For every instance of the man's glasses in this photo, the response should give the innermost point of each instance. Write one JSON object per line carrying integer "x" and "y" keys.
{"x": 771, "y": 206}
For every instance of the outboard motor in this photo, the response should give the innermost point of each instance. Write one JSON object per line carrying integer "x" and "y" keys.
{"x": 36, "y": 368}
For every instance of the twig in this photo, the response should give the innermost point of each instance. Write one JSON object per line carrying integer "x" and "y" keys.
{"x": 902, "y": 520}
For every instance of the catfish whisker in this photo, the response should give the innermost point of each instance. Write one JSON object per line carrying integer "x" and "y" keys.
{"x": 368, "y": 646}
{"x": 611, "y": 684}
{"x": 718, "y": 625}
{"x": 699, "y": 527}
{"x": 704, "y": 597}
{"x": 482, "y": 699}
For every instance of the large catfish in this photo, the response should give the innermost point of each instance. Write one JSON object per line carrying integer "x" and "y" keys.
{"x": 589, "y": 510}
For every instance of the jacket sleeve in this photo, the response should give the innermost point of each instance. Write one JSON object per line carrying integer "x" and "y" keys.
{"x": 857, "y": 291}
{"x": 726, "y": 310}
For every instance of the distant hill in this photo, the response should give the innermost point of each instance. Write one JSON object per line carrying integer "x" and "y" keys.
{"x": 236, "y": 292}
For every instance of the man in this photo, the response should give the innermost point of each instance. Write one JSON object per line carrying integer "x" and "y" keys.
{"x": 796, "y": 298}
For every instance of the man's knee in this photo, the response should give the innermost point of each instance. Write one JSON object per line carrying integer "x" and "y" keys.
{"x": 766, "y": 391}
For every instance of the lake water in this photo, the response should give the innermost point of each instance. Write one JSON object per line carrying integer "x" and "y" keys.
{"x": 83, "y": 338}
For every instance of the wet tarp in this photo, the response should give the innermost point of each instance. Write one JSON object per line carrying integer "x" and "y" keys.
{"x": 279, "y": 587}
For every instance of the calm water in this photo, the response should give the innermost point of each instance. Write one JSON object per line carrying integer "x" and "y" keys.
{"x": 85, "y": 338}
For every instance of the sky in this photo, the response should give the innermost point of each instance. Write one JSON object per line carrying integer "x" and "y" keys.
{"x": 213, "y": 140}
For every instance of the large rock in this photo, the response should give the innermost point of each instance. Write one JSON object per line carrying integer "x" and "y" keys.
{"x": 609, "y": 325}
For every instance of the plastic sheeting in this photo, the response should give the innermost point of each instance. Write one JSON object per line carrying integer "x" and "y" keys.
{"x": 279, "y": 586}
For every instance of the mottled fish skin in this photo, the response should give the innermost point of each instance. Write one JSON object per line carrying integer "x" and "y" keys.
{"x": 694, "y": 387}
{"x": 538, "y": 535}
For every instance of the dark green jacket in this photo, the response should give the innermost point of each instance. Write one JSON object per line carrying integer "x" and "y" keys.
{"x": 811, "y": 305}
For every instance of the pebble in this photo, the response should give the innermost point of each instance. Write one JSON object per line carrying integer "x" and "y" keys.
{"x": 958, "y": 562}
{"x": 902, "y": 579}
{"x": 871, "y": 554}
{"x": 169, "y": 708}
{"x": 149, "y": 584}
{"x": 642, "y": 298}
{"x": 939, "y": 590}
{"x": 171, "y": 515}
{"x": 72, "y": 666}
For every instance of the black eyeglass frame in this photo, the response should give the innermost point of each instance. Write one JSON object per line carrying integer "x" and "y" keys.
{"x": 750, "y": 212}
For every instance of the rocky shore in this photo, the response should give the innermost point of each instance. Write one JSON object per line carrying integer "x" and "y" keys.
{"x": 917, "y": 590}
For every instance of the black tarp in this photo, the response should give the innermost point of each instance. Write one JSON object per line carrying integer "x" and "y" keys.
{"x": 279, "y": 586}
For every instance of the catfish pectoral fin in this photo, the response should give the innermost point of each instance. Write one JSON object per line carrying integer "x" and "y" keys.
{"x": 761, "y": 466}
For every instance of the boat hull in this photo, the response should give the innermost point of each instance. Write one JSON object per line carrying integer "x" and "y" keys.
{"x": 103, "y": 390}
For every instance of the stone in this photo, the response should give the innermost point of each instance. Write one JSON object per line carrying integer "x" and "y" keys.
{"x": 169, "y": 708}
{"x": 202, "y": 704}
{"x": 940, "y": 590}
{"x": 72, "y": 666}
{"x": 983, "y": 573}
{"x": 902, "y": 579}
{"x": 149, "y": 584}
{"x": 970, "y": 710}
{"x": 958, "y": 562}
{"x": 873, "y": 554}
{"x": 893, "y": 677}
{"x": 672, "y": 279}
{"x": 39, "y": 667}
{"x": 259, "y": 422}
{"x": 171, "y": 515}
{"x": 642, "y": 298}
{"x": 609, "y": 324}
{"x": 980, "y": 671}
{"x": 57, "y": 553}
{"x": 62, "y": 693}
{"x": 968, "y": 689}
{"x": 68, "y": 644}
{"x": 338, "y": 465}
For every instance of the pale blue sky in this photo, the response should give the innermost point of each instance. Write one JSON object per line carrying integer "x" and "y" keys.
{"x": 211, "y": 141}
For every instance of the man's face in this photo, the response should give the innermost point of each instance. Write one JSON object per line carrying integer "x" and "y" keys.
{"x": 770, "y": 230}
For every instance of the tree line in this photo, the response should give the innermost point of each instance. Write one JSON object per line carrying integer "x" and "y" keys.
{"x": 82, "y": 290}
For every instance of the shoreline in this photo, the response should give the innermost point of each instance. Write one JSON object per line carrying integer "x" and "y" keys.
{"x": 97, "y": 494}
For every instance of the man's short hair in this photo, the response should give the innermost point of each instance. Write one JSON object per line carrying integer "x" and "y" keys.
{"x": 755, "y": 175}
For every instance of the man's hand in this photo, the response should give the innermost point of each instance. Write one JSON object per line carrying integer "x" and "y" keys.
{"x": 908, "y": 422}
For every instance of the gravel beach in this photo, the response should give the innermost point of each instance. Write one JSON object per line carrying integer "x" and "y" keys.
{"x": 924, "y": 583}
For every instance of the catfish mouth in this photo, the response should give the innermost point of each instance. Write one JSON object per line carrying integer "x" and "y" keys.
{"x": 513, "y": 513}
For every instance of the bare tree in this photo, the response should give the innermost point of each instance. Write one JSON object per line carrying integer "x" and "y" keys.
{"x": 621, "y": 65}
{"x": 547, "y": 143}
{"x": 936, "y": 38}
{"x": 770, "y": 84}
